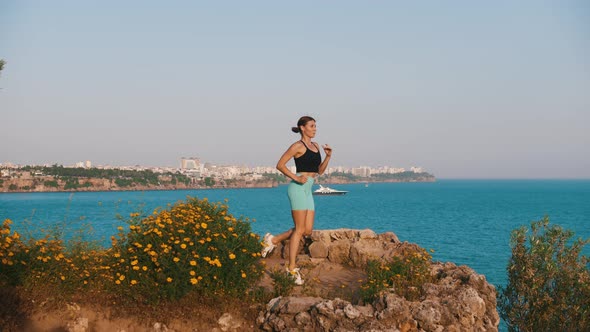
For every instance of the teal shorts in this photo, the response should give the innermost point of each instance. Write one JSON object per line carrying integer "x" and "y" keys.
{"x": 300, "y": 195}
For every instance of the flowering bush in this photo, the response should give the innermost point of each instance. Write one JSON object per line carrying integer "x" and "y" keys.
{"x": 193, "y": 246}
{"x": 403, "y": 274}
{"x": 11, "y": 254}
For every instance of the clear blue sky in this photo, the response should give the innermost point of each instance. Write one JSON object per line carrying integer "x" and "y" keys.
{"x": 464, "y": 89}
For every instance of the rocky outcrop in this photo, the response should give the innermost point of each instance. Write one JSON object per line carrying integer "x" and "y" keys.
{"x": 457, "y": 299}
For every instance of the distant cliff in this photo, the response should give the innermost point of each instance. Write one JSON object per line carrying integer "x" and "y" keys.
{"x": 58, "y": 179}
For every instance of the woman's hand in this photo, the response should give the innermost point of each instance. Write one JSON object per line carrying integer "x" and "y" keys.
{"x": 302, "y": 179}
{"x": 327, "y": 150}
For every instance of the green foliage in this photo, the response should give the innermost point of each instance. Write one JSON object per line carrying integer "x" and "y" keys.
{"x": 279, "y": 178}
{"x": 193, "y": 247}
{"x": 71, "y": 184}
{"x": 52, "y": 184}
{"x": 548, "y": 281}
{"x": 404, "y": 176}
{"x": 407, "y": 176}
{"x": 13, "y": 187}
{"x": 282, "y": 283}
{"x": 123, "y": 183}
{"x": 2, "y": 63}
{"x": 126, "y": 177}
{"x": 404, "y": 275}
{"x": 209, "y": 182}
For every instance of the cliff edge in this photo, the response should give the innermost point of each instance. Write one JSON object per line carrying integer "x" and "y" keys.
{"x": 333, "y": 261}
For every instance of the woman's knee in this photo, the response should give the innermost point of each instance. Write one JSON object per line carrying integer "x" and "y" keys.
{"x": 307, "y": 232}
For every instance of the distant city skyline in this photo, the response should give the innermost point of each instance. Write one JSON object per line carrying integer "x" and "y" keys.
{"x": 462, "y": 89}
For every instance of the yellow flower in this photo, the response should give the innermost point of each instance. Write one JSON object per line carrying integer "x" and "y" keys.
{"x": 192, "y": 273}
{"x": 176, "y": 259}
{"x": 133, "y": 282}
{"x": 193, "y": 263}
{"x": 243, "y": 275}
{"x": 117, "y": 282}
{"x": 122, "y": 278}
{"x": 194, "y": 281}
{"x": 134, "y": 262}
{"x": 136, "y": 268}
{"x": 169, "y": 279}
{"x": 144, "y": 268}
{"x": 232, "y": 256}
{"x": 203, "y": 225}
{"x": 183, "y": 246}
{"x": 62, "y": 278}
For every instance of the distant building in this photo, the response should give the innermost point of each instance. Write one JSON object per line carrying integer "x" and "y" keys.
{"x": 88, "y": 164}
{"x": 417, "y": 169}
{"x": 362, "y": 171}
{"x": 190, "y": 163}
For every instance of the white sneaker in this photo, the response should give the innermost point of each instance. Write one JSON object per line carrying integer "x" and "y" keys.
{"x": 268, "y": 245}
{"x": 296, "y": 276}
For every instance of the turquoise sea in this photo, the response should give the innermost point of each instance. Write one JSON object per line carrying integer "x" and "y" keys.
{"x": 464, "y": 221}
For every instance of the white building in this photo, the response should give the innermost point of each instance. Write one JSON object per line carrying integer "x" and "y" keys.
{"x": 190, "y": 163}
{"x": 417, "y": 169}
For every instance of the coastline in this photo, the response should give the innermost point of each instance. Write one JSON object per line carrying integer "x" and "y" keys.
{"x": 255, "y": 185}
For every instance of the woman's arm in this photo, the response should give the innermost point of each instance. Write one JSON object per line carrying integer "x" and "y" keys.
{"x": 291, "y": 152}
{"x": 324, "y": 164}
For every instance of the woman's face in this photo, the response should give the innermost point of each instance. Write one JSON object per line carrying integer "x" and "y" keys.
{"x": 309, "y": 129}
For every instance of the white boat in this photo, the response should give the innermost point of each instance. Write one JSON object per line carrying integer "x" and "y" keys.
{"x": 328, "y": 191}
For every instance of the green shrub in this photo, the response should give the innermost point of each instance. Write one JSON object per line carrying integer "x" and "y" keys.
{"x": 194, "y": 246}
{"x": 548, "y": 281}
{"x": 282, "y": 283}
{"x": 52, "y": 184}
{"x": 404, "y": 274}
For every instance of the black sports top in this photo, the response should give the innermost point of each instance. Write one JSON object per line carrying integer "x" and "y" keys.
{"x": 309, "y": 161}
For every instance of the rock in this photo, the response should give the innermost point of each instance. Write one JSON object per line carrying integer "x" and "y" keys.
{"x": 318, "y": 250}
{"x": 428, "y": 315}
{"x": 457, "y": 298}
{"x": 159, "y": 327}
{"x": 321, "y": 236}
{"x": 295, "y": 305}
{"x": 303, "y": 319}
{"x": 78, "y": 325}
{"x": 389, "y": 237}
{"x": 339, "y": 252}
{"x": 368, "y": 234}
{"x": 351, "y": 312}
{"x": 365, "y": 250}
{"x": 228, "y": 323}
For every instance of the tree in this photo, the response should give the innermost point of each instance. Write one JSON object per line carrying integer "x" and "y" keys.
{"x": 548, "y": 281}
{"x": 2, "y": 63}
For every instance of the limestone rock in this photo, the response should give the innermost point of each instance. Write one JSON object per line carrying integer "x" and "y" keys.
{"x": 228, "y": 323}
{"x": 457, "y": 299}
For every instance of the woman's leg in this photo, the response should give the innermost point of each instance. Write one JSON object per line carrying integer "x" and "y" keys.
{"x": 299, "y": 218}
{"x": 282, "y": 237}
{"x": 309, "y": 222}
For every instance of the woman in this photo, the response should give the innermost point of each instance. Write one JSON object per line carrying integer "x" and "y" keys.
{"x": 309, "y": 165}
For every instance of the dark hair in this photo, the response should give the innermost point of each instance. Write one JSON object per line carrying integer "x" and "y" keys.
{"x": 302, "y": 122}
